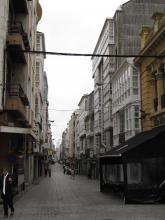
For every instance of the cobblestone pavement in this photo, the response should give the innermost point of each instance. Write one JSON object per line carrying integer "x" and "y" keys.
{"x": 63, "y": 198}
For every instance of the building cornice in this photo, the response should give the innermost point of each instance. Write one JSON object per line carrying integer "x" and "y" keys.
{"x": 153, "y": 39}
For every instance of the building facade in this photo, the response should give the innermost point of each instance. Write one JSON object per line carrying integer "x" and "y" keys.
{"x": 77, "y": 147}
{"x": 39, "y": 104}
{"x": 141, "y": 158}
{"x": 18, "y": 27}
{"x": 46, "y": 123}
{"x": 77, "y": 140}
{"x": 102, "y": 69}
{"x": 120, "y": 36}
{"x": 90, "y": 153}
{"x": 84, "y": 125}
{"x": 71, "y": 127}
{"x": 89, "y": 123}
{"x": 152, "y": 70}
{"x": 82, "y": 130}
{"x": 128, "y": 19}
{"x": 126, "y": 102}
{"x": 63, "y": 146}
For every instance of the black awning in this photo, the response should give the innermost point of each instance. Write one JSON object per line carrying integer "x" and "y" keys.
{"x": 138, "y": 141}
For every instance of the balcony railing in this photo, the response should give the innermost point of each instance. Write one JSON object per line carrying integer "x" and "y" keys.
{"x": 15, "y": 90}
{"x": 17, "y": 102}
{"x": 17, "y": 41}
{"x": 163, "y": 101}
{"x": 17, "y": 28}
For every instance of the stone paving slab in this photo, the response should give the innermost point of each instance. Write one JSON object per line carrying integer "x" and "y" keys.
{"x": 63, "y": 198}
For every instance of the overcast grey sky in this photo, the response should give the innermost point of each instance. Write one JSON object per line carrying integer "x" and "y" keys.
{"x": 71, "y": 26}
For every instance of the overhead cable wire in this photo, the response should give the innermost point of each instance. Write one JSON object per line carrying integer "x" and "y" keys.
{"x": 92, "y": 54}
{"x": 94, "y": 108}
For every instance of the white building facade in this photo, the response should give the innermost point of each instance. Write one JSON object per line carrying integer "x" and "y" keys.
{"x": 82, "y": 130}
{"x": 77, "y": 140}
{"x": 89, "y": 122}
{"x": 103, "y": 68}
{"x": 42, "y": 125}
{"x": 39, "y": 86}
{"x": 126, "y": 102}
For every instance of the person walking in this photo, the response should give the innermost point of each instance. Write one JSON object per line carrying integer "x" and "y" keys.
{"x": 6, "y": 192}
{"x": 64, "y": 169}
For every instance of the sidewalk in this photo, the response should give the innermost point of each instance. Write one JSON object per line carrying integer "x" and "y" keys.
{"x": 22, "y": 193}
{"x": 61, "y": 197}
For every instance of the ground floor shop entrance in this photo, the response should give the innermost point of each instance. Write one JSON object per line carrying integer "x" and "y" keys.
{"x": 135, "y": 170}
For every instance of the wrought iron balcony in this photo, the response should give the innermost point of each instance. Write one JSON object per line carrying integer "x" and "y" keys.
{"x": 163, "y": 101}
{"x": 16, "y": 100}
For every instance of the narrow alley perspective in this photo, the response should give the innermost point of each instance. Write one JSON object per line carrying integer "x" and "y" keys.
{"x": 61, "y": 197}
{"x": 82, "y": 110}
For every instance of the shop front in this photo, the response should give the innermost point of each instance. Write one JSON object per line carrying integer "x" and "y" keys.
{"x": 135, "y": 170}
{"x": 15, "y": 147}
{"x": 12, "y": 156}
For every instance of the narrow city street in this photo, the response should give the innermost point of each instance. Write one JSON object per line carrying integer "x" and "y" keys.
{"x": 63, "y": 198}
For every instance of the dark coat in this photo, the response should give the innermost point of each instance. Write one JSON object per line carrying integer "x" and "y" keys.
{"x": 9, "y": 183}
